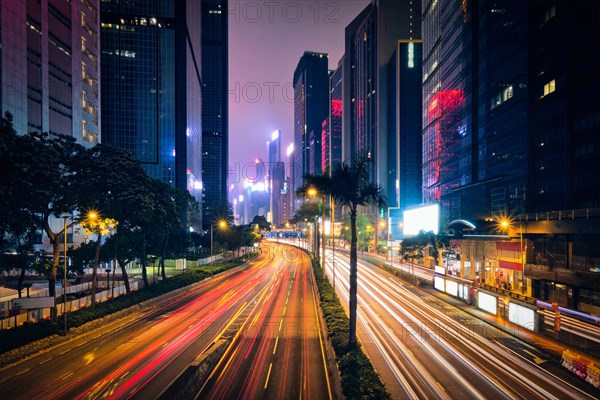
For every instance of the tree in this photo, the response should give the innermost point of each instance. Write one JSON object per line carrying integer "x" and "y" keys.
{"x": 40, "y": 177}
{"x": 95, "y": 224}
{"x": 362, "y": 235}
{"x": 350, "y": 188}
{"x": 117, "y": 185}
{"x": 262, "y": 223}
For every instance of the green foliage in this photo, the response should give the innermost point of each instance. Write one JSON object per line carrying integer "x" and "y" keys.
{"x": 359, "y": 379}
{"x": 363, "y": 235}
{"x": 262, "y": 223}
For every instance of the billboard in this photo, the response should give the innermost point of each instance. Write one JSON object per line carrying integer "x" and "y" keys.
{"x": 426, "y": 218}
{"x": 487, "y": 303}
{"x": 522, "y": 316}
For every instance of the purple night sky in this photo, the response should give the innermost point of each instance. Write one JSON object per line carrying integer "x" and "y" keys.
{"x": 266, "y": 40}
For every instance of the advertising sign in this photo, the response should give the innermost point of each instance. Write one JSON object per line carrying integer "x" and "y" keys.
{"x": 522, "y": 316}
{"x": 487, "y": 302}
{"x": 425, "y": 219}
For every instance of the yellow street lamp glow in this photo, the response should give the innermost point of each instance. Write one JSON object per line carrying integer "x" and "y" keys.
{"x": 312, "y": 192}
{"x": 222, "y": 224}
{"x": 92, "y": 214}
{"x": 382, "y": 224}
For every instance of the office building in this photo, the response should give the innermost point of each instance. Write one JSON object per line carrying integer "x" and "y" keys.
{"x": 215, "y": 133}
{"x": 49, "y": 64}
{"x": 380, "y": 105}
{"x": 512, "y": 137}
{"x": 151, "y": 87}
{"x": 276, "y": 178}
{"x": 311, "y": 87}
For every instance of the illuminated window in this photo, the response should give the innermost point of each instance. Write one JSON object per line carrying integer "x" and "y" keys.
{"x": 82, "y": 18}
{"x": 549, "y": 87}
{"x": 82, "y": 44}
{"x": 83, "y": 71}
{"x": 507, "y": 93}
{"x": 83, "y": 98}
{"x": 84, "y": 128}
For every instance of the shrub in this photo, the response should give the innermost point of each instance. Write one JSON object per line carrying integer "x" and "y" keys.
{"x": 359, "y": 379}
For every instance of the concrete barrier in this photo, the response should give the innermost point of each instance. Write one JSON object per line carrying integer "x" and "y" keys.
{"x": 190, "y": 381}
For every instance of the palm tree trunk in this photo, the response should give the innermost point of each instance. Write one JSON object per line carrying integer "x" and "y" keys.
{"x": 353, "y": 280}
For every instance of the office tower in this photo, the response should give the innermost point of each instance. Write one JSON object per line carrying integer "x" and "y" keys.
{"x": 335, "y": 117}
{"x": 510, "y": 133}
{"x": 379, "y": 103}
{"x": 276, "y": 177}
{"x": 403, "y": 147}
{"x": 49, "y": 64}
{"x": 151, "y": 87}
{"x": 311, "y": 86}
{"x": 215, "y": 134}
{"x": 563, "y": 193}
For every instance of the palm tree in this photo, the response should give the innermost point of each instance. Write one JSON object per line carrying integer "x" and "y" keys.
{"x": 350, "y": 188}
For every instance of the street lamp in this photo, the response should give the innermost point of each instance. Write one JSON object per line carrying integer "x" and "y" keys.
{"x": 221, "y": 224}
{"x": 65, "y": 276}
{"x": 504, "y": 225}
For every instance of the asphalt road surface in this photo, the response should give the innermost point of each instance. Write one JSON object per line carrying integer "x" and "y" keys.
{"x": 141, "y": 355}
{"x": 424, "y": 348}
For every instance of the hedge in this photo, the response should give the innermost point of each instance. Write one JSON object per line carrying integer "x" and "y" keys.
{"x": 359, "y": 378}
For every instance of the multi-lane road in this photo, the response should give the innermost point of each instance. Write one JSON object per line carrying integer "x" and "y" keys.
{"x": 425, "y": 348}
{"x": 265, "y": 309}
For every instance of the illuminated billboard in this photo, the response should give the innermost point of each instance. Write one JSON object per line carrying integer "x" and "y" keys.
{"x": 425, "y": 219}
{"x": 522, "y": 316}
{"x": 487, "y": 303}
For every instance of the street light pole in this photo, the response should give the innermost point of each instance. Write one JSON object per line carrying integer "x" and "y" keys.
{"x": 65, "y": 276}
{"x": 211, "y": 247}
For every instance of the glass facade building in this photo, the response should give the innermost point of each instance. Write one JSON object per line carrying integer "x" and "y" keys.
{"x": 311, "y": 87}
{"x": 50, "y": 68}
{"x": 151, "y": 64}
{"x": 215, "y": 135}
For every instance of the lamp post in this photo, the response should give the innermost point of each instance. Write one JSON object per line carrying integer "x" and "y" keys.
{"x": 505, "y": 224}
{"x": 220, "y": 224}
{"x": 65, "y": 276}
{"x": 312, "y": 193}
{"x": 107, "y": 270}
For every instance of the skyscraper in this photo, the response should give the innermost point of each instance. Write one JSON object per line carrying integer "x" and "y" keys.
{"x": 215, "y": 134}
{"x": 380, "y": 104}
{"x": 276, "y": 178}
{"x": 510, "y": 133}
{"x": 50, "y": 68}
{"x": 311, "y": 86}
{"x": 151, "y": 64}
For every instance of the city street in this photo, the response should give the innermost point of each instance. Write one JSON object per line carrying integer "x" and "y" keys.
{"x": 279, "y": 353}
{"x": 141, "y": 355}
{"x": 425, "y": 348}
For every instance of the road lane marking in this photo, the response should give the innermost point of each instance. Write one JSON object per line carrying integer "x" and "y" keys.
{"x": 275, "y": 348}
{"x": 280, "y": 323}
{"x": 268, "y": 375}
{"x": 284, "y": 308}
